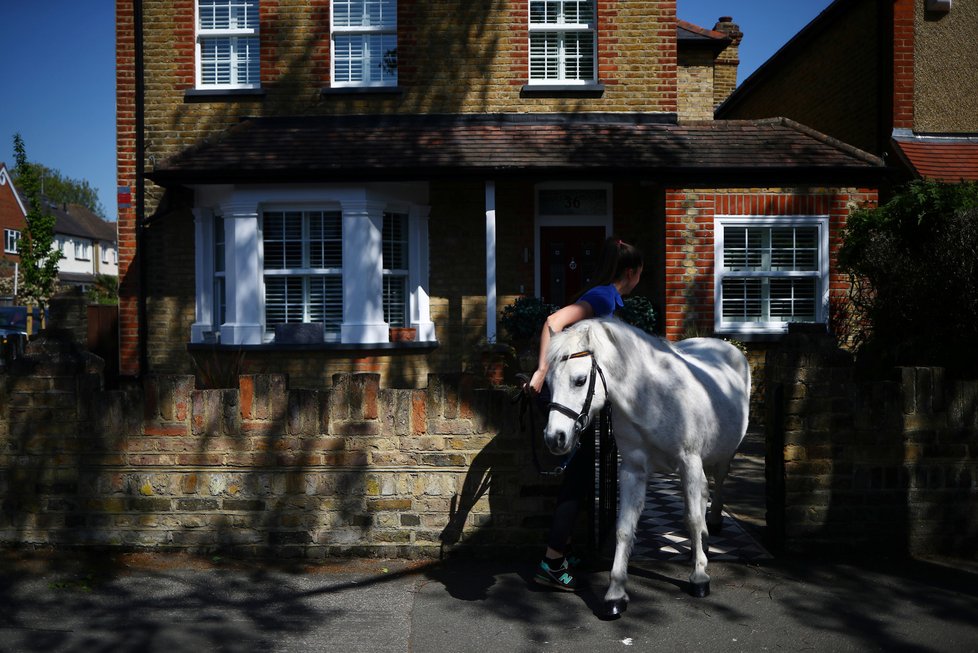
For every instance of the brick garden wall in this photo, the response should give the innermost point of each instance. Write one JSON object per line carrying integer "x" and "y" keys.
{"x": 263, "y": 469}
{"x": 870, "y": 466}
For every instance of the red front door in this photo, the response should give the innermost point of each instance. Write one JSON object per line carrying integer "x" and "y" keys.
{"x": 568, "y": 261}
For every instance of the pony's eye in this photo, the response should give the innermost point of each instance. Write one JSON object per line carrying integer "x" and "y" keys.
{"x": 580, "y": 381}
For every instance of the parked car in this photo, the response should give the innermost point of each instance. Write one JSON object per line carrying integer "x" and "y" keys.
{"x": 13, "y": 332}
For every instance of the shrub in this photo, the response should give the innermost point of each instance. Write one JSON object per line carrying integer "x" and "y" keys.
{"x": 913, "y": 263}
{"x": 639, "y": 312}
{"x": 524, "y": 318}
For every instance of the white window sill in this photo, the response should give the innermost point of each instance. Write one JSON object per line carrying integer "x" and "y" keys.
{"x": 361, "y": 90}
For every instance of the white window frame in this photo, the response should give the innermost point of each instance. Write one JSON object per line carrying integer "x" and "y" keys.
{"x": 821, "y": 275}
{"x": 562, "y": 30}
{"x": 83, "y": 250}
{"x": 238, "y": 38}
{"x": 11, "y": 237}
{"x": 365, "y": 33}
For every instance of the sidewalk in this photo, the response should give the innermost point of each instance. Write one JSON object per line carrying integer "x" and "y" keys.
{"x": 173, "y": 603}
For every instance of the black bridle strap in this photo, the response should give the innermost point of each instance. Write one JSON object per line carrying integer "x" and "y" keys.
{"x": 582, "y": 418}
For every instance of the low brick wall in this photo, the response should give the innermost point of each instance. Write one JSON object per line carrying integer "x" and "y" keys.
{"x": 265, "y": 469}
{"x": 868, "y": 465}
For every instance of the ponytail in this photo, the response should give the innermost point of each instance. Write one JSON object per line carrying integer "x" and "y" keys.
{"x": 616, "y": 257}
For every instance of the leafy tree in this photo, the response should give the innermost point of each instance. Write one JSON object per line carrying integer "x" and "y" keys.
{"x": 38, "y": 257}
{"x": 914, "y": 269}
{"x": 60, "y": 189}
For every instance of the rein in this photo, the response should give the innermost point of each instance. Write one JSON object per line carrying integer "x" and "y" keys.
{"x": 581, "y": 419}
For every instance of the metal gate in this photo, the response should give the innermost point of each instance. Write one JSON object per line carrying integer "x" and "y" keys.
{"x": 605, "y": 504}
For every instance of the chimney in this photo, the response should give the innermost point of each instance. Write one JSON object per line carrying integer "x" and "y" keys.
{"x": 725, "y": 66}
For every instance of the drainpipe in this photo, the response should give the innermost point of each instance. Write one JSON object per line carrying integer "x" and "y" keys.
{"x": 491, "y": 261}
{"x": 140, "y": 187}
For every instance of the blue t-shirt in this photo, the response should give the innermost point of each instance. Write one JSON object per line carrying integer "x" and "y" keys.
{"x": 604, "y": 300}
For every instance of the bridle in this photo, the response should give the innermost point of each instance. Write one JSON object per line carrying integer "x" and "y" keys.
{"x": 582, "y": 419}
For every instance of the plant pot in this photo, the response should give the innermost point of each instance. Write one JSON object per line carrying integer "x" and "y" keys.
{"x": 493, "y": 366}
{"x": 403, "y": 334}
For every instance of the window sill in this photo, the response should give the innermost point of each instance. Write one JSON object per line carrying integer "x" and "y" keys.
{"x": 361, "y": 90}
{"x": 319, "y": 346}
{"x": 562, "y": 90}
{"x": 222, "y": 94}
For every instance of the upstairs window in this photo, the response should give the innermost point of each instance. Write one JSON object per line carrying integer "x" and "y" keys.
{"x": 83, "y": 250}
{"x": 364, "y": 42}
{"x": 227, "y": 44}
{"x": 563, "y": 34}
{"x": 10, "y": 239}
{"x": 771, "y": 273}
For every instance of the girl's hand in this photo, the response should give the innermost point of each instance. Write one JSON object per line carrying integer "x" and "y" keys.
{"x": 536, "y": 383}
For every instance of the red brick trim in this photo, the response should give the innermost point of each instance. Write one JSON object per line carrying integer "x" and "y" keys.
{"x": 689, "y": 246}
{"x": 903, "y": 63}
{"x": 126, "y": 175}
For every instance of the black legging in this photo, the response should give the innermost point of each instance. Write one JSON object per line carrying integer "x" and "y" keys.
{"x": 574, "y": 491}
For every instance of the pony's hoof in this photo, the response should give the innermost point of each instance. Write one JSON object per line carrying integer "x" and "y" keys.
{"x": 614, "y": 609}
{"x": 700, "y": 590}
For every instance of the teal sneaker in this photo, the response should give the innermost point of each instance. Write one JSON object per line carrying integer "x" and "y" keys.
{"x": 559, "y": 578}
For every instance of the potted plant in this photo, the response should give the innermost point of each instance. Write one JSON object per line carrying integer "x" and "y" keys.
{"x": 523, "y": 320}
{"x": 490, "y": 359}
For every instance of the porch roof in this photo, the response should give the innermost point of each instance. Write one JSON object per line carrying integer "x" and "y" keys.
{"x": 417, "y": 147}
{"x": 946, "y": 158}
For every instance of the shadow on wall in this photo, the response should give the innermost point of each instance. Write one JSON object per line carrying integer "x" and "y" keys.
{"x": 868, "y": 465}
{"x": 257, "y": 471}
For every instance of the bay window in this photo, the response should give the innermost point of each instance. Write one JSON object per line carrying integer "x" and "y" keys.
{"x": 563, "y": 37}
{"x": 364, "y": 42}
{"x": 770, "y": 272}
{"x": 347, "y": 262}
{"x": 227, "y": 44}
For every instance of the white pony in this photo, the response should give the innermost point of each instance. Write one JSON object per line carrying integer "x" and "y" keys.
{"x": 678, "y": 408}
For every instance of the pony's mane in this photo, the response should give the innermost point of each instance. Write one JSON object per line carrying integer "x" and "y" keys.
{"x": 601, "y": 336}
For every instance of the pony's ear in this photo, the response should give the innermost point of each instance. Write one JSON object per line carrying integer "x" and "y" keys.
{"x": 552, "y": 332}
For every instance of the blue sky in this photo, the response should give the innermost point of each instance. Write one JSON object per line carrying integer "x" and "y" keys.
{"x": 57, "y": 74}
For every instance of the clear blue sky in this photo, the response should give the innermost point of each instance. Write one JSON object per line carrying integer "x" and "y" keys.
{"x": 57, "y": 74}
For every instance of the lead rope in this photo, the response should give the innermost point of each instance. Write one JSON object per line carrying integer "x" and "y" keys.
{"x": 526, "y": 406}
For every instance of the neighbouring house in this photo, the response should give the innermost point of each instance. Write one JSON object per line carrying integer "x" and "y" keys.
{"x": 909, "y": 93}
{"x": 306, "y": 175}
{"x": 87, "y": 244}
{"x": 86, "y": 241}
{"x": 13, "y": 215}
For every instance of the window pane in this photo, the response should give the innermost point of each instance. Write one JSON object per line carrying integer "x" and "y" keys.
{"x": 326, "y": 302}
{"x": 792, "y": 300}
{"x": 364, "y": 13}
{"x": 325, "y": 239}
{"x": 554, "y": 12}
{"x": 395, "y": 300}
{"x": 283, "y": 300}
{"x": 395, "y": 243}
{"x": 215, "y": 61}
{"x": 544, "y": 55}
{"x": 228, "y": 14}
{"x": 742, "y": 300}
{"x": 579, "y": 55}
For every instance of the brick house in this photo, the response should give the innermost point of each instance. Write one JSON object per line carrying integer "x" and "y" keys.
{"x": 13, "y": 216}
{"x": 909, "y": 95}
{"x": 353, "y": 166}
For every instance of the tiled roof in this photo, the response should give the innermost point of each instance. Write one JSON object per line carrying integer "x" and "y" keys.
{"x": 687, "y": 31}
{"x": 317, "y": 149}
{"x": 943, "y": 159}
{"x": 76, "y": 220}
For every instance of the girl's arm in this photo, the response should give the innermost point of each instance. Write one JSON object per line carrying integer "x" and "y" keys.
{"x": 556, "y": 323}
